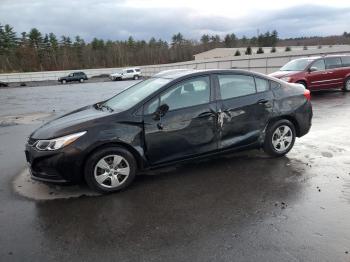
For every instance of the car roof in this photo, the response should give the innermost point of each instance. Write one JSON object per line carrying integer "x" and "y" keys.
{"x": 179, "y": 73}
{"x": 324, "y": 56}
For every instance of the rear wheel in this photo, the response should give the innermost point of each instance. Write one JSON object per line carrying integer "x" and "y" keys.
{"x": 346, "y": 87}
{"x": 136, "y": 77}
{"x": 110, "y": 169}
{"x": 279, "y": 138}
{"x": 64, "y": 81}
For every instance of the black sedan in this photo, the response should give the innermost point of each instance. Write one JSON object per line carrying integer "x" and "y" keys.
{"x": 174, "y": 116}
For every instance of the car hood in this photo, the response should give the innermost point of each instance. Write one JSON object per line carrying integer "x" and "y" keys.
{"x": 72, "y": 122}
{"x": 280, "y": 74}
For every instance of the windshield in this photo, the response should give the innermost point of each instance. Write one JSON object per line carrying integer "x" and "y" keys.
{"x": 135, "y": 94}
{"x": 296, "y": 65}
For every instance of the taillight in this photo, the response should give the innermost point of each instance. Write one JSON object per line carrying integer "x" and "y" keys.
{"x": 307, "y": 94}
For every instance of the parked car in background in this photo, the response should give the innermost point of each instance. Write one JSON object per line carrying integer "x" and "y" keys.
{"x": 318, "y": 73}
{"x": 127, "y": 73}
{"x": 3, "y": 84}
{"x": 174, "y": 116}
{"x": 73, "y": 77}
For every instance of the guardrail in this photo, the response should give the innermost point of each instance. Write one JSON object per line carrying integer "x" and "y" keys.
{"x": 263, "y": 63}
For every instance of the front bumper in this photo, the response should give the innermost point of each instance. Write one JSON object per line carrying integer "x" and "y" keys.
{"x": 61, "y": 166}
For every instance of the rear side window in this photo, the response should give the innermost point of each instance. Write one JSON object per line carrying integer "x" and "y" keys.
{"x": 345, "y": 61}
{"x": 130, "y": 71}
{"x": 333, "y": 62}
{"x": 262, "y": 85}
{"x": 232, "y": 86}
{"x": 274, "y": 85}
{"x": 319, "y": 65}
{"x": 137, "y": 70}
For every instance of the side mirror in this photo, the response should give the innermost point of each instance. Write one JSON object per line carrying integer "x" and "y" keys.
{"x": 312, "y": 69}
{"x": 161, "y": 111}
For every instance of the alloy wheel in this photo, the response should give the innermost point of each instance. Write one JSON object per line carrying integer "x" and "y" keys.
{"x": 282, "y": 138}
{"x": 347, "y": 85}
{"x": 111, "y": 171}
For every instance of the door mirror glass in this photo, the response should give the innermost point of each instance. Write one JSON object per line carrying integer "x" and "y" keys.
{"x": 313, "y": 69}
{"x": 161, "y": 111}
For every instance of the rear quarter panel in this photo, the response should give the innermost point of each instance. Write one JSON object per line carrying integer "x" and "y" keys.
{"x": 291, "y": 103}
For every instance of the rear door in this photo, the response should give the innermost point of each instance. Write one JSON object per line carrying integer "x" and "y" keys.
{"x": 334, "y": 71}
{"x": 245, "y": 105}
{"x": 189, "y": 127}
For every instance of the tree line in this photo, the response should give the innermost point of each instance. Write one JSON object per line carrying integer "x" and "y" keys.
{"x": 36, "y": 51}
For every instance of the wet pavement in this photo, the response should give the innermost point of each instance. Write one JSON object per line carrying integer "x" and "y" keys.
{"x": 239, "y": 207}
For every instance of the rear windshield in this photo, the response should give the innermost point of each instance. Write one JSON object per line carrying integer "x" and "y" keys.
{"x": 296, "y": 65}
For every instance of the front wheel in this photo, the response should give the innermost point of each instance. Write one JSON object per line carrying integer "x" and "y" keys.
{"x": 81, "y": 80}
{"x": 279, "y": 138}
{"x": 110, "y": 169}
{"x": 136, "y": 77}
{"x": 346, "y": 87}
{"x": 64, "y": 81}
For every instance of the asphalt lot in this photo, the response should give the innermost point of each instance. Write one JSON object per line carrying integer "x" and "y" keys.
{"x": 241, "y": 207}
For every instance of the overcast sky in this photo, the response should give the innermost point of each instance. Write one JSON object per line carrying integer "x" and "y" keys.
{"x": 118, "y": 19}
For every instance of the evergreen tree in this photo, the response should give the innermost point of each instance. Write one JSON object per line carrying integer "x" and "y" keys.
{"x": 248, "y": 51}
{"x": 35, "y": 38}
{"x": 237, "y": 53}
{"x": 260, "y": 50}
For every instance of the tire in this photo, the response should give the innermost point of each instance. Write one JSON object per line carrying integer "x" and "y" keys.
{"x": 101, "y": 176}
{"x": 136, "y": 77}
{"x": 302, "y": 83}
{"x": 64, "y": 82}
{"x": 81, "y": 80}
{"x": 273, "y": 145}
{"x": 346, "y": 87}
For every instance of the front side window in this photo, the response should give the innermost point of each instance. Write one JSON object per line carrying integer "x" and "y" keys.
{"x": 130, "y": 71}
{"x": 195, "y": 91}
{"x": 319, "y": 65}
{"x": 333, "y": 62}
{"x": 262, "y": 85}
{"x": 232, "y": 86}
{"x": 136, "y": 93}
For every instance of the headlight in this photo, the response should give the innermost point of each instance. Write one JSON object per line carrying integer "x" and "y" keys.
{"x": 286, "y": 78}
{"x": 57, "y": 143}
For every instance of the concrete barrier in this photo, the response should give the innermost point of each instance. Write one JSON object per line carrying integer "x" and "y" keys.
{"x": 263, "y": 63}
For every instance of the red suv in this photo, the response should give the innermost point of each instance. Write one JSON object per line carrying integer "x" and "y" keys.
{"x": 318, "y": 73}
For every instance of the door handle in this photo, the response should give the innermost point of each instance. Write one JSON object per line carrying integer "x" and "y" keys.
{"x": 264, "y": 102}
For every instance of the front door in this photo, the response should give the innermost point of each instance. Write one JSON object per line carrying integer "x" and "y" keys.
{"x": 244, "y": 109}
{"x": 188, "y": 128}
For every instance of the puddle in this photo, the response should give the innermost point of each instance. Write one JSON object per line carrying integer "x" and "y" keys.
{"x": 25, "y": 186}
{"x": 22, "y": 119}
